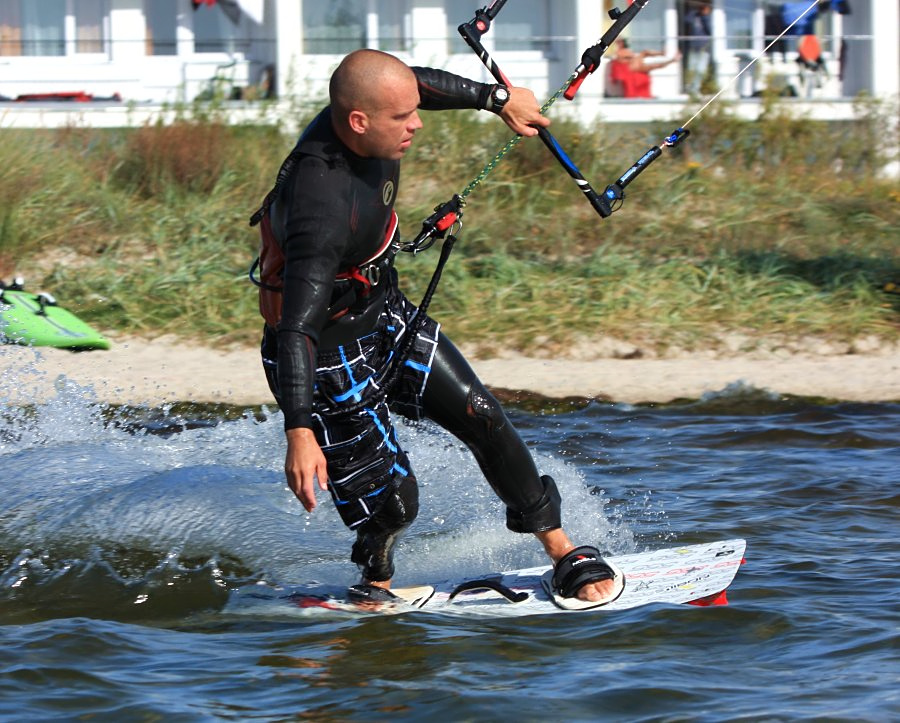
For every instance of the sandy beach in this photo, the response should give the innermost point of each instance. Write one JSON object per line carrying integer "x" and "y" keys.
{"x": 136, "y": 371}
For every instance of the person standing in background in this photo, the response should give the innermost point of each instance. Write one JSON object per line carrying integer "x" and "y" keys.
{"x": 698, "y": 45}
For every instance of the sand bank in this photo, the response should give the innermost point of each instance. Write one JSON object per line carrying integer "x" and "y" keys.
{"x": 154, "y": 372}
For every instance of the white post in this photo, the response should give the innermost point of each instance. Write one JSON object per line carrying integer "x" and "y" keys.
{"x": 372, "y": 39}
{"x": 719, "y": 31}
{"x": 184, "y": 31}
{"x": 758, "y": 32}
{"x": 592, "y": 22}
{"x": 127, "y": 31}
{"x": 69, "y": 33}
{"x": 428, "y": 44}
{"x": 670, "y": 29}
{"x": 885, "y": 52}
{"x": 288, "y": 25}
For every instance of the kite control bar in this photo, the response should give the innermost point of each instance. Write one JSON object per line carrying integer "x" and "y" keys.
{"x": 472, "y": 33}
{"x": 616, "y": 191}
{"x": 448, "y": 214}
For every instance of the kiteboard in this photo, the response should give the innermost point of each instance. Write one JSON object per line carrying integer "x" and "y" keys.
{"x": 37, "y": 320}
{"x": 692, "y": 574}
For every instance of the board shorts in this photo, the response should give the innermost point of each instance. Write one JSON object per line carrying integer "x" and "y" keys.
{"x": 352, "y": 414}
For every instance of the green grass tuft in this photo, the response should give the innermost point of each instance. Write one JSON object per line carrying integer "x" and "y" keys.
{"x": 778, "y": 226}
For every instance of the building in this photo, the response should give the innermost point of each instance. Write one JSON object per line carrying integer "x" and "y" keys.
{"x": 143, "y": 53}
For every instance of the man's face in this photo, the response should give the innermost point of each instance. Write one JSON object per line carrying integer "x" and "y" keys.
{"x": 392, "y": 126}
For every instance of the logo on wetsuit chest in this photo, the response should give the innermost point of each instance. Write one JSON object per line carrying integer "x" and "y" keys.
{"x": 387, "y": 192}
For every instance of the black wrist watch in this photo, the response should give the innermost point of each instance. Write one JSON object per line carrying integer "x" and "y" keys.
{"x": 499, "y": 98}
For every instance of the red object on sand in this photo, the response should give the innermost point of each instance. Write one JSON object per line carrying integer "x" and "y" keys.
{"x": 78, "y": 96}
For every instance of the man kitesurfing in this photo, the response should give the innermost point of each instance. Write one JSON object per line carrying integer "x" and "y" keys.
{"x": 337, "y": 327}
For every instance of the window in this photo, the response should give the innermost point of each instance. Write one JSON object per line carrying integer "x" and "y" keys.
{"x": 43, "y": 27}
{"x": 89, "y": 26}
{"x": 32, "y": 28}
{"x": 648, "y": 30}
{"x": 520, "y": 25}
{"x": 335, "y": 27}
{"x": 214, "y": 30}
{"x": 392, "y": 16}
{"x": 10, "y": 28}
{"x": 818, "y": 21}
{"x": 739, "y": 24}
{"x": 162, "y": 23}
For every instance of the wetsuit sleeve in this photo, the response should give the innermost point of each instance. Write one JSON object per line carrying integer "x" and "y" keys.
{"x": 315, "y": 235}
{"x": 440, "y": 90}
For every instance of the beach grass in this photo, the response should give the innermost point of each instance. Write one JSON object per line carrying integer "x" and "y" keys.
{"x": 779, "y": 226}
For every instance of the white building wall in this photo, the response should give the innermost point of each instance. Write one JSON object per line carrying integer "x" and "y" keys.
{"x": 427, "y": 32}
{"x": 126, "y": 32}
{"x": 872, "y": 31}
{"x": 885, "y": 69}
{"x": 284, "y": 21}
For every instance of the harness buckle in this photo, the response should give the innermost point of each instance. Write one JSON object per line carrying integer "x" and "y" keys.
{"x": 372, "y": 274}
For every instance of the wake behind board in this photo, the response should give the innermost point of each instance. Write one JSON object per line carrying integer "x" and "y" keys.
{"x": 694, "y": 574}
{"x": 36, "y": 319}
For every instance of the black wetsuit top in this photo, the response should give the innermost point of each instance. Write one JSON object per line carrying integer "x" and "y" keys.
{"x": 330, "y": 214}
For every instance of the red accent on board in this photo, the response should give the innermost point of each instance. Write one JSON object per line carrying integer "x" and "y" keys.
{"x": 308, "y": 601}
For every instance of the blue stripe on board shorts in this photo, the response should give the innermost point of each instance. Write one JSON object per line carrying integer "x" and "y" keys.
{"x": 352, "y": 413}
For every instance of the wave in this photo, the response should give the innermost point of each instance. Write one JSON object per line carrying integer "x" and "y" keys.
{"x": 156, "y": 511}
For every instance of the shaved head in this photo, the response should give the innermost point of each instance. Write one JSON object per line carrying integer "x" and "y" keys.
{"x": 374, "y": 104}
{"x": 365, "y": 80}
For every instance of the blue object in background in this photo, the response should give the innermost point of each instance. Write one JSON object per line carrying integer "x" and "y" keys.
{"x": 791, "y": 11}
{"x": 841, "y": 6}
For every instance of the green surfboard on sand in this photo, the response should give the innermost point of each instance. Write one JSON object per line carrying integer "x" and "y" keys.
{"x": 37, "y": 320}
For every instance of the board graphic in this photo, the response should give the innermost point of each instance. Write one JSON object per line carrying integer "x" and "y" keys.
{"x": 695, "y": 574}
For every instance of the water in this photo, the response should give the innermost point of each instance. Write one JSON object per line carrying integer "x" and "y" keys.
{"x": 124, "y": 534}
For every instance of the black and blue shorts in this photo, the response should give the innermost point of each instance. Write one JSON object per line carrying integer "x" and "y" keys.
{"x": 352, "y": 411}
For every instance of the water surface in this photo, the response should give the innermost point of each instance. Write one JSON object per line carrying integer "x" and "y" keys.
{"x": 125, "y": 536}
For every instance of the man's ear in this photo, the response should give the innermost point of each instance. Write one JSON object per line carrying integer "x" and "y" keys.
{"x": 358, "y": 121}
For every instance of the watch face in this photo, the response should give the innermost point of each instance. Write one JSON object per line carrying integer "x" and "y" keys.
{"x": 501, "y": 95}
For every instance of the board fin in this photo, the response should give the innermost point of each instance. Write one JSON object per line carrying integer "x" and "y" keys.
{"x": 719, "y": 598}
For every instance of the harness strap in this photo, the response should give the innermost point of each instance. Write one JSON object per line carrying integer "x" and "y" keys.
{"x": 362, "y": 276}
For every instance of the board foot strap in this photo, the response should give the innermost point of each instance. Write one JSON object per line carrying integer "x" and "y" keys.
{"x": 487, "y": 584}
{"x": 577, "y": 568}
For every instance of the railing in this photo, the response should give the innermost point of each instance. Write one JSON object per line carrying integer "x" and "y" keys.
{"x": 776, "y": 70}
